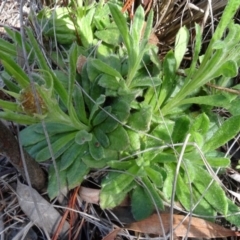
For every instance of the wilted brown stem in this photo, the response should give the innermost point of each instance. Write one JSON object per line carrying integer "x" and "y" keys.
{"x": 10, "y": 148}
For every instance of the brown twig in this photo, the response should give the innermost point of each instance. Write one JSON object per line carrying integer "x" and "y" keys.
{"x": 230, "y": 90}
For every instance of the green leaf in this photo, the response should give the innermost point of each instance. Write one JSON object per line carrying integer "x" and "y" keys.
{"x": 124, "y": 165}
{"x": 92, "y": 72}
{"x": 82, "y": 137}
{"x": 164, "y": 158}
{"x": 105, "y": 68}
{"x": 54, "y": 128}
{"x": 197, "y": 49}
{"x": 109, "y": 199}
{"x": 144, "y": 81}
{"x": 181, "y": 129}
{"x": 29, "y": 135}
{"x": 118, "y": 138}
{"x": 116, "y": 186}
{"x": 79, "y": 104}
{"x": 101, "y": 137}
{"x": 19, "y": 42}
{"x": 76, "y": 173}
{"x": 121, "y": 23}
{"x": 101, "y": 115}
{"x": 95, "y": 149}
{"x": 85, "y": 28}
{"x": 113, "y": 60}
{"x": 218, "y": 100}
{"x": 153, "y": 192}
{"x": 225, "y": 21}
{"x": 148, "y": 30}
{"x": 189, "y": 196}
{"x": 34, "y": 149}
{"x": 155, "y": 176}
{"x": 18, "y": 118}
{"x": 168, "y": 84}
{"x": 58, "y": 147}
{"x": 110, "y": 35}
{"x": 72, "y": 154}
{"x": 201, "y": 124}
{"x": 214, "y": 161}
{"x": 99, "y": 101}
{"x": 8, "y": 48}
{"x": 137, "y": 28}
{"x": 72, "y": 58}
{"x": 228, "y": 130}
{"x": 232, "y": 216}
{"x": 108, "y": 81}
{"x": 135, "y": 54}
{"x": 92, "y": 163}
{"x": 215, "y": 194}
{"x": 141, "y": 119}
{"x": 230, "y": 69}
{"x": 40, "y": 58}
{"x": 6, "y": 105}
{"x": 211, "y": 65}
{"x": 121, "y": 109}
{"x": 108, "y": 125}
{"x": 227, "y": 69}
{"x": 73, "y": 55}
{"x": 11, "y": 86}
{"x": 53, "y": 187}
{"x": 181, "y": 43}
{"x": 134, "y": 140}
{"x": 168, "y": 183}
{"x": 101, "y": 18}
{"x": 142, "y": 205}
{"x": 58, "y": 86}
{"x": 14, "y": 70}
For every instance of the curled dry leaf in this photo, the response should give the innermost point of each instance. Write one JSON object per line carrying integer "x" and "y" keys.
{"x": 153, "y": 39}
{"x": 89, "y": 195}
{"x": 49, "y": 218}
{"x": 80, "y": 62}
{"x": 199, "y": 228}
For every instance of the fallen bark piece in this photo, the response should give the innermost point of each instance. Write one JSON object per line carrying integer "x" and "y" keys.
{"x": 9, "y": 147}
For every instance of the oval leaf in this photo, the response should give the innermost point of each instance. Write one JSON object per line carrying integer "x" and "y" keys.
{"x": 82, "y": 137}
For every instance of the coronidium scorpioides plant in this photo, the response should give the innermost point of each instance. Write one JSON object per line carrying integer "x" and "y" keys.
{"x": 126, "y": 111}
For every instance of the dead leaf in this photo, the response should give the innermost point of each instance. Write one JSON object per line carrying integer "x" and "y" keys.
{"x": 80, "y": 62}
{"x": 89, "y": 195}
{"x": 49, "y": 218}
{"x": 112, "y": 235}
{"x": 199, "y": 228}
{"x": 233, "y": 174}
{"x": 235, "y": 194}
{"x": 153, "y": 39}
